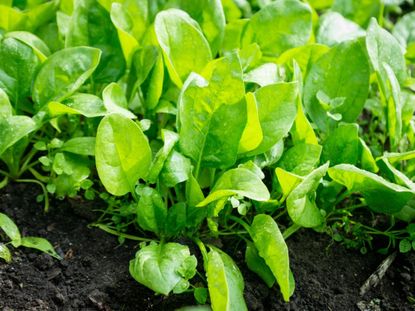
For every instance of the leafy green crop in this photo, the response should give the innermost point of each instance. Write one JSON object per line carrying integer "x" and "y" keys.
{"x": 208, "y": 123}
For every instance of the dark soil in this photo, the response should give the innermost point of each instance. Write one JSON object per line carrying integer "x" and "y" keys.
{"x": 94, "y": 272}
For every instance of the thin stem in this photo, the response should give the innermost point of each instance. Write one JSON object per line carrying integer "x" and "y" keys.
{"x": 120, "y": 234}
{"x": 45, "y": 191}
{"x": 290, "y": 231}
{"x": 241, "y": 222}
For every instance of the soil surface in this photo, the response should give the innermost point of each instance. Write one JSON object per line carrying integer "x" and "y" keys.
{"x": 94, "y": 272}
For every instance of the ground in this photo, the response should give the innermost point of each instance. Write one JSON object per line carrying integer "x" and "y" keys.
{"x": 94, "y": 272}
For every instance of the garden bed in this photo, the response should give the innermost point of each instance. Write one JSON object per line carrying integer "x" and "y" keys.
{"x": 94, "y": 272}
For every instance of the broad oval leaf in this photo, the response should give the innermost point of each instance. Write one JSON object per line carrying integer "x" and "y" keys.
{"x": 258, "y": 265}
{"x": 185, "y": 48}
{"x": 225, "y": 282}
{"x": 381, "y": 195}
{"x": 238, "y": 181}
{"x": 212, "y": 114}
{"x": 343, "y": 72}
{"x": 80, "y": 145}
{"x": 404, "y": 30}
{"x": 5, "y": 253}
{"x": 122, "y": 154}
{"x": 272, "y": 248}
{"x": 301, "y": 203}
{"x": 63, "y": 73}
{"x": 282, "y": 25}
{"x": 14, "y": 128}
{"x": 301, "y": 159}
{"x": 359, "y": 11}
{"x": 163, "y": 267}
{"x": 151, "y": 211}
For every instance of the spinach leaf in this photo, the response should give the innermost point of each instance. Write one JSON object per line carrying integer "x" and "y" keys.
{"x": 164, "y": 267}
{"x": 63, "y": 73}
{"x": 121, "y": 159}
{"x": 225, "y": 282}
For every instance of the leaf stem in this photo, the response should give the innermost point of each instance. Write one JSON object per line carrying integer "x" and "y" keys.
{"x": 45, "y": 191}
{"x": 120, "y": 234}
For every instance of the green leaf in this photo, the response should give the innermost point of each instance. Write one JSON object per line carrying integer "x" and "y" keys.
{"x": 18, "y": 64}
{"x": 301, "y": 159}
{"x": 334, "y": 28}
{"x": 151, "y": 211}
{"x": 288, "y": 181}
{"x": 263, "y": 75}
{"x": 12, "y": 129}
{"x": 258, "y": 265}
{"x": 359, "y": 11}
{"x": 87, "y": 105}
{"x": 238, "y": 181}
{"x": 39, "y": 47}
{"x": 80, "y": 145}
{"x": 184, "y": 47}
{"x": 405, "y": 246}
{"x": 11, "y": 18}
{"x": 225, "y": 282}
{"x": 90, "y": 25}
{"x": 277, "y": 111}
{"x": 404, "y": 29}
{"x": 122, "y": 154}
{"x": 271, "y": 247}
{"x": 212, "y": 114}
{"x": 342, "y": 145}
{"x": 301, "y": 203}
{"x": 380, "y": 195}
{"x": 5, "y": 253}
{"x": 40, "y": 244}
{"x": 282, "y": 25}
{"x": 367, "y": 161}
{"x": 343, "y": 72}
{"x": 6, "y": 108}
{"x": 115, "y": 101}
{"x": 159, "y": 266}
{"x": 201, "y": 295}
{"x": 177, "y": 169}
{"x": 252, "y": 134}
{"x": 10, "y": 229}
{"x": 63, "y": 73}
{"x": 382, "y": 47}
{"x": 170, "y": 139}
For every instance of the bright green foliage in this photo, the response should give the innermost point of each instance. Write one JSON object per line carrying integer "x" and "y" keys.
{"x": 272, "y": 248}
{"x": 121, "y": 160}
{"x": 164, "y": 267}
{"x": 177, "y": 113}
{"x": 225, "y": 282}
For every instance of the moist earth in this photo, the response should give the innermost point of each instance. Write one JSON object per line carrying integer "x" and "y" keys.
{"x": 94, "y": 272}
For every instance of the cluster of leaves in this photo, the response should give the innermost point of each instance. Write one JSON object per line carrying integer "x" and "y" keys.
{"x": 210, "y": 118}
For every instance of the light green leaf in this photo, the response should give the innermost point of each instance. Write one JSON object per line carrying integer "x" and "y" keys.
{"x": 367, "y": 160}
{"x": 263, "y": 75}
{"x": 359, "y": 11}
{"x": 282, "y": 25}
{"x": 343, "y": 72}
{"x": 271, "y": 247}
{"x": 40, "y": 244}
{"x": 159, "y": 266}
{"x": 404, "y": 30}
{"x": 5, "y": 253}
{"x": 301, "y": 159}
{"x": 87, "y": 105}
{"x": 170, "y": 139}
{"x": 382, "y": 47}
{"x": 39, "y": 47}
{"x": 63, "y": 73}
{"x": 277, "y": 111}
{"x": 80, "y": 145}
{"x": 10, "y": 229}
{"x": 6, "y": 109}
{"x": 11, "y": 18}
{"x": 115, "y": 101}
{"x": 212, "y": 114}
{"x": 380, "y": 195}
{"x": 287, "y": 180}
{"x": 184, "y": 47}
{"x": 177, "y": 169}
{"x": 334, "y": 28}
{"x": 252, "y": 134}
{"x": 301, "y": 203}
{"x": 225, "y": 282}
{"x": 12, "y": 129}
{"x": 238, "y": 181}
{"x": 151, "y": 211}
{"x": 121, "y": 158}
